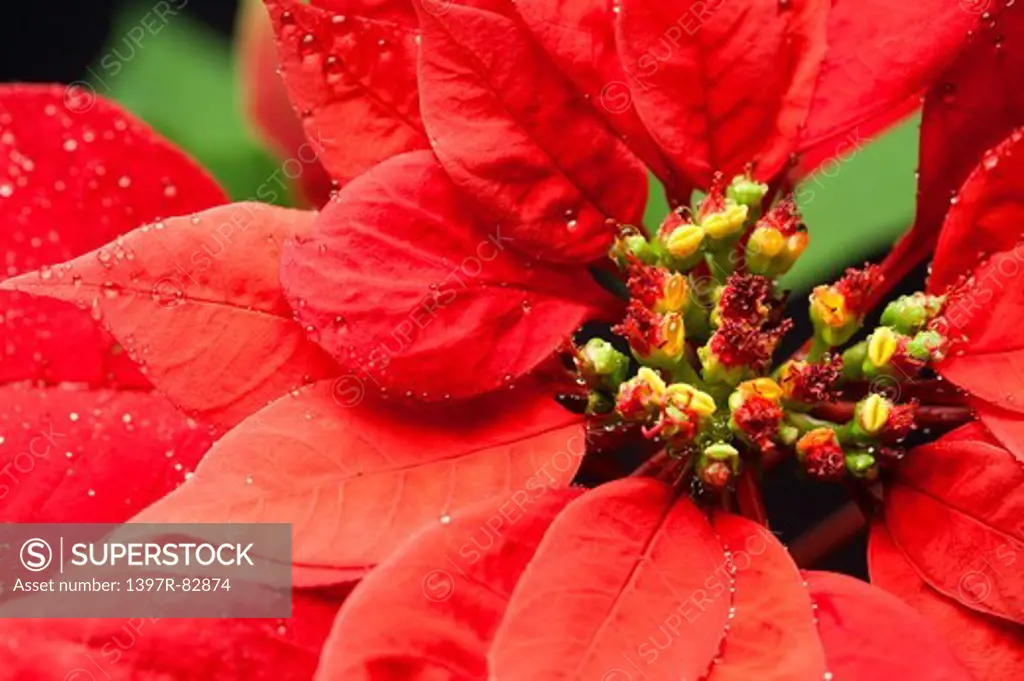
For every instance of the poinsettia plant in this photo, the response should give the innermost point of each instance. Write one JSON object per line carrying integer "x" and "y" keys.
{"x": 518, "y": 432}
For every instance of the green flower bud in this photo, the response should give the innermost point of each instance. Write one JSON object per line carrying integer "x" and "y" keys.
{"x": 909, "y": 314}
{"x": 631, "y": 243}
{"x": 746, "y": 191}
{"x": 601, "y": 364}
{"x": 862, "y": 465}
{"x": 928, "y": 346}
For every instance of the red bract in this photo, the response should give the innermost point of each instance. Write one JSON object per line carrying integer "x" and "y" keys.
{"x": 973, "y": 106}
{"x": 435, "y": 605}
{"x": 720, "y": 87}
{"x": 350, "y": 70}
{"x": 954, "y": 510}
{"x": 77, "y": 172}
{"x": 409, "y": 293}
{"x": 90, "y": 455}
{"x": 197, "y": 302}
{"x": 386, "y": 381}
{"x": 991, "y": 648}
{"x": 622, "y": 580}
{"x": 154, "y": 649}
{"x": 77, "y": 413}
{"x": 82, "y": 437}
{"x": 355, "y": 481}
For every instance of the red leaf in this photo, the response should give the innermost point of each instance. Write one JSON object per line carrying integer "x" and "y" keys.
{"x": 991, "y": 648}
{"x": 880, "y": 54}
{"x": 434, "y": 606}
{"x": 351, "y": 74}
{"x": 523, "y": 144}
{"x": 267, "y": 104}
{"x": 1006, "y": 426}
{"x": 988, "y": 359}
{"x": 973, "y": 106}
{"x": 75, "y": 172}
{"x": 723, "y": 84}
{"x": 955, "y": 510}
{"x": 404, "y": 290}
{"x": 616, "y": 576}
{"x": 580, "y": 37}
{"x": 356, "y": 482}
{"x": 90, "y": 456}
{"x": 987, "y": 217}
{"x": 197, "y": 301}
{"x": 772, "y": 635}
{"x": 153, "y": 649}
{"x": 869, "y": 634}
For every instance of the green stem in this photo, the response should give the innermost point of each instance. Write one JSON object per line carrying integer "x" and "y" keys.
{"x": 806, "y": 422}
{"x": 819, "y": 348}
{"x": 682, "y": 372}
{"x": 720, "y": 263}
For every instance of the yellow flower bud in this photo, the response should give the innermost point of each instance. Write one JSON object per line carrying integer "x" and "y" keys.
{"x": 882, "y": 346}
{"x": 760, "y": 387}
{"x": 725, "y": 223}
{"x": 675, "y": 294}
{"x": 686, "y": 396}
{"x": 653, "y": 380}
{"x": 673, "y": 333}
{"x": 684, "y": 241}
{"x": 796, "y": 244}
{"x": 873, "y": 413}
{"x": 766, "y": 242}
{"x": 829, "y": 307}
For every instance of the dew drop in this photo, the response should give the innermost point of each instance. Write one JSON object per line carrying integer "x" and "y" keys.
{"x": 111, "y": 289}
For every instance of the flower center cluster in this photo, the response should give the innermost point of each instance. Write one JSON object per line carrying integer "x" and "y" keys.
{"x": 703, "y": 325}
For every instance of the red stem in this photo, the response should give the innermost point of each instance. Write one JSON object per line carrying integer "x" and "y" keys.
{"x": 828, "y": 535}
{"x": 927, "y": 416}
{"x": 748, "y": 496}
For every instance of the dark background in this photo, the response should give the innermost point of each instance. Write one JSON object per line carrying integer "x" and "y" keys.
{"x": 55, "y": 40}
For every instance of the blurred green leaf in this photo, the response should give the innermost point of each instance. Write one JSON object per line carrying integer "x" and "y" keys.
{"x": 179, "y": 77}
{"x": 857, "y": 205}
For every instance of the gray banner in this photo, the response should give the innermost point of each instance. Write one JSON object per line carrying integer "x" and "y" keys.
{"x": 145, "y": 570}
